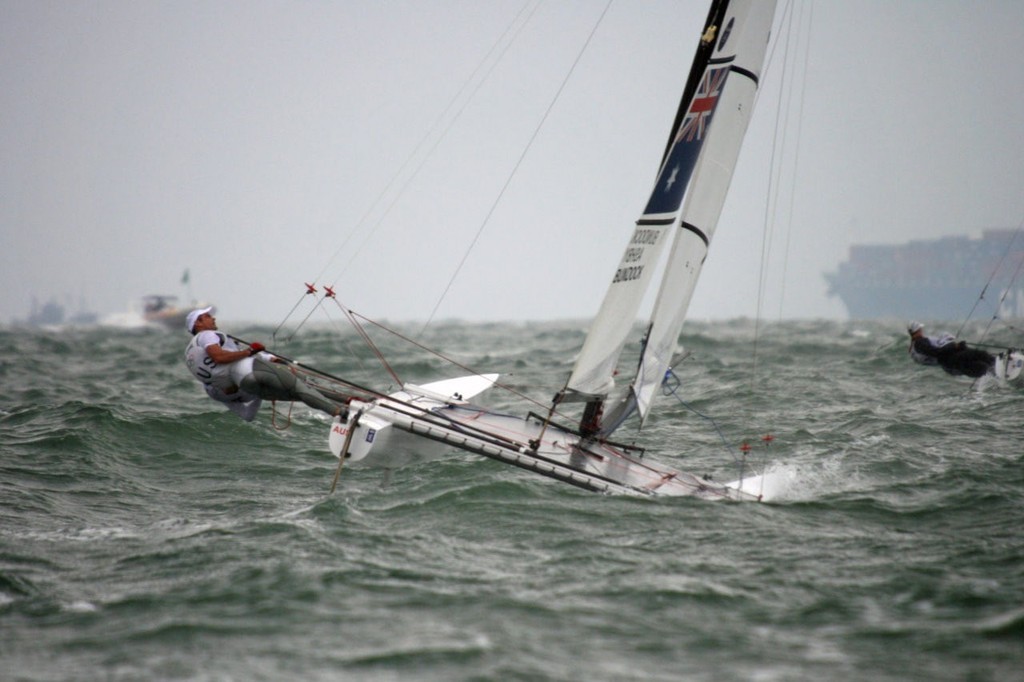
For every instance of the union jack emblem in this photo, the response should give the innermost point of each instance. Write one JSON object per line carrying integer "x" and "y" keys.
{"x": 698, "y": 116}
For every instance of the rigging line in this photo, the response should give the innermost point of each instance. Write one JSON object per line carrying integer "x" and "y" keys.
{"x": 451, "y": 361}
{"x": 368, "y": 341}
{"x": 740, "y": 461}
{"x": 776, "y": 165}
{"x": 319, "y": 302}
{"x": 361, "y": 332}
{"x": 310, "y": 289}
{"x": 515, "y": 168}
{"x": 1001, "y": 346}
{"x": 801, "y": 80}
{"x": 431, "y": 130}
{"x": 444, "y": 134}
{"x": 991, "y": 277}
{"x": 769, "y": 204}
{"x": 291, "y": 312}
{"x": 347, "y": 346}
{"x": 1002, "y": 298}
{"x": 775, "y": 44}
{"x": 672, "y": 389}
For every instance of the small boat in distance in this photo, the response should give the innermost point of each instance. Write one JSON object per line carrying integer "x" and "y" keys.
{"x": 164, "y": 311}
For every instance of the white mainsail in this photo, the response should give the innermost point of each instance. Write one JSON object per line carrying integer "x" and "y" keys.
{"x": 700, "y": 162}
{"x": 595, "y": 366}
{"x": 705, "y": 198}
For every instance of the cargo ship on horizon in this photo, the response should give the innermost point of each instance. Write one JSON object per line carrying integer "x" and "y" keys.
{"x": 935, "y": 279}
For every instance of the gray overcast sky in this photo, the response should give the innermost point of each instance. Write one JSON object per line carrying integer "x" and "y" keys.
{"x": 246, "y": 140}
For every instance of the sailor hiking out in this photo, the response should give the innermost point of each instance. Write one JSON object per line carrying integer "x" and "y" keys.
{"x": 945, "y": 351}
{"x": 242, "y": 378}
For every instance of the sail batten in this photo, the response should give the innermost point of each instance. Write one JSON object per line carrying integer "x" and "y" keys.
{"x": 697, "y": 231}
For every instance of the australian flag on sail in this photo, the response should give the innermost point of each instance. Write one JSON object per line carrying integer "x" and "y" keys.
{"x": 667, "y": 196}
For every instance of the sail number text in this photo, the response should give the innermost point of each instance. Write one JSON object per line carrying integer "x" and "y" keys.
{"x": 635, "y": 253}
{"x": 628, "y": 274}
{"x": 645, "y": 237}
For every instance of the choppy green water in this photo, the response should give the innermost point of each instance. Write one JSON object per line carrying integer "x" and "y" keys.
{"x": 147, "y": 534}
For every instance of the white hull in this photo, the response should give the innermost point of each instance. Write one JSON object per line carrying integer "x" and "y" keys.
{"x": 374, "y": 431}
{"x": 1008, "y": 365}
{"x": 408, "y": 424}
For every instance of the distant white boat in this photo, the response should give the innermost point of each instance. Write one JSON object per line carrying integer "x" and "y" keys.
{"x": 155, "y": 311}
{"x": 164, "y": 311}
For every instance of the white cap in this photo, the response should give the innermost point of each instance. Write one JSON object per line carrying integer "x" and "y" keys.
{"x": 914, "y": 327}
{"x": 190, "y": 321}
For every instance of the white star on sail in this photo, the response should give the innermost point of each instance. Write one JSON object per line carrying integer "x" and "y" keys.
{"x": 671, "y": 179}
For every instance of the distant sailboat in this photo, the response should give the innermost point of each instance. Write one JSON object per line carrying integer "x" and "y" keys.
{"x": 683, "y": 209}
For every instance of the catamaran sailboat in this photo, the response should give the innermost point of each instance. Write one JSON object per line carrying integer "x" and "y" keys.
{"x": 681, "y": 213}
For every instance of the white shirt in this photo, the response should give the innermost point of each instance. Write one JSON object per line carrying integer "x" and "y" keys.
{"x": 225, "y": 377}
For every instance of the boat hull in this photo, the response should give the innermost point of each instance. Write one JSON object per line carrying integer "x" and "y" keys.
{"x": 406, "y": 427}
{"x": 1009, "y": 365}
